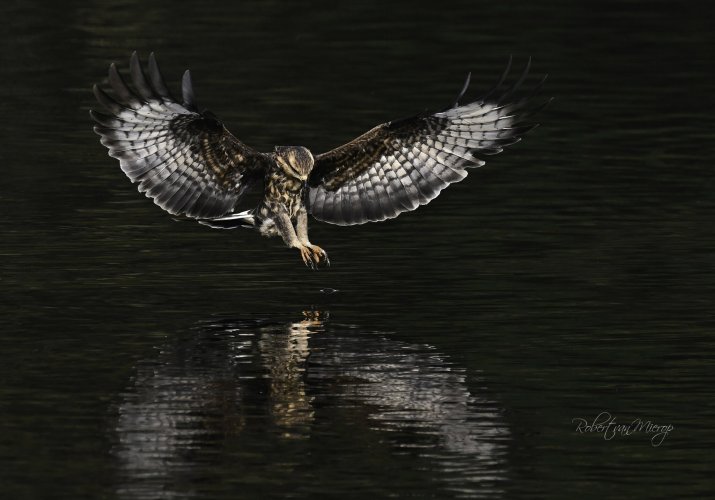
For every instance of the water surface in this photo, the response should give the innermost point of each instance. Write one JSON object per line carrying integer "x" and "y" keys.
{"x": 144, "y": 357}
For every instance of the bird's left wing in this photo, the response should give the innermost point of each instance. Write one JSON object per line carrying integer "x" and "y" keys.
{"x": 400, "y": 165}
{"x": 185, "y": 160}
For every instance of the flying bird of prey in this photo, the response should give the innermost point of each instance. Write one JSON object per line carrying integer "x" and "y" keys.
{"x": 189, "y": 163}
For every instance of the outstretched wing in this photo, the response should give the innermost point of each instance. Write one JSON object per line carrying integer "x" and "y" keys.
{"x": 400, "y": 165}
{"x": 185, "y": 160}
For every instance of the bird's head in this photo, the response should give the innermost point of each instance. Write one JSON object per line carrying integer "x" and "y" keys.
{"x": 296, "y": 161}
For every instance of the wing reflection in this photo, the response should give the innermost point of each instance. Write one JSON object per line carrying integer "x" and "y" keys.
{"x": 411, "y": 387}
{"x": 275, "y": 397}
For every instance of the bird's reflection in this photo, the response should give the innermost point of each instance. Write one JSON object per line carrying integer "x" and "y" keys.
{"x": 271, "y": 401}
{"x": 284, "y": 356}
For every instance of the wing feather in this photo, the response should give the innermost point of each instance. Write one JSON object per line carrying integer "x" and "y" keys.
{"x": 186, "y": 161}
{"x": 187, "y": 91}
{"x": 157, "y": 81}
{"x": 139, "y": 79}
{"x": 401, "y": 165}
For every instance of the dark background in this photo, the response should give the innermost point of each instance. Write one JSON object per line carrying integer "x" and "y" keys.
{"x": 141, "y": 357}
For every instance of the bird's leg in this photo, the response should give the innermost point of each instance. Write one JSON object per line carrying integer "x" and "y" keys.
{"x": 301, "y": 228}
{"x": 285, "y": 228}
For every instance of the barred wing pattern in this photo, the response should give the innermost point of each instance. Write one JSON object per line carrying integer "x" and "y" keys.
{"x": 398, "y": 166}
{"x": 186, "y": 161}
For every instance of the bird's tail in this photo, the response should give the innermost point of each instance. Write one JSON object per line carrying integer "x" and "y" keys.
{"x": 242, "y": 219}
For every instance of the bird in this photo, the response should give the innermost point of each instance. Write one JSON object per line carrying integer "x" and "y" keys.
{"x": 186, "y": 160}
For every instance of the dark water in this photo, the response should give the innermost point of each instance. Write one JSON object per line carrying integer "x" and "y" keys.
{"x": 573, "y": 275}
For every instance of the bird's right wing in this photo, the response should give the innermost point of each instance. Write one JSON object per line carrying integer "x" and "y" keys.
{"x": 185, "y": 160}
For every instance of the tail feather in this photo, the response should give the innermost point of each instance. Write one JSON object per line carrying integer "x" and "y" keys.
{"x": 242, "y": 219}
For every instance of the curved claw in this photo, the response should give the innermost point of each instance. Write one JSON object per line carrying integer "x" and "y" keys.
{"x": 307, "y": 257}
{"x": 319, "y": 254}
{"x": 312, "y": 256}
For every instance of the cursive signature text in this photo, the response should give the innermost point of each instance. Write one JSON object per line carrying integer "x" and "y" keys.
{"x": 606, "y": 424}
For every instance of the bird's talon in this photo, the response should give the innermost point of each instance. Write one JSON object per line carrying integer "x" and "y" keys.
{"x": 305, "y": 255}
{"x": 313, "y": 255}
{"x": 310, "y": 257}
{"x": 319, "y": 254}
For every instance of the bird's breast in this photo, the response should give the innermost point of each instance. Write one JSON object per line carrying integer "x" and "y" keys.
{"x": 284, "y": 194}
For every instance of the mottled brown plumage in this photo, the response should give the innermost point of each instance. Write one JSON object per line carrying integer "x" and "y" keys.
{"x": 189, "y": 163}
